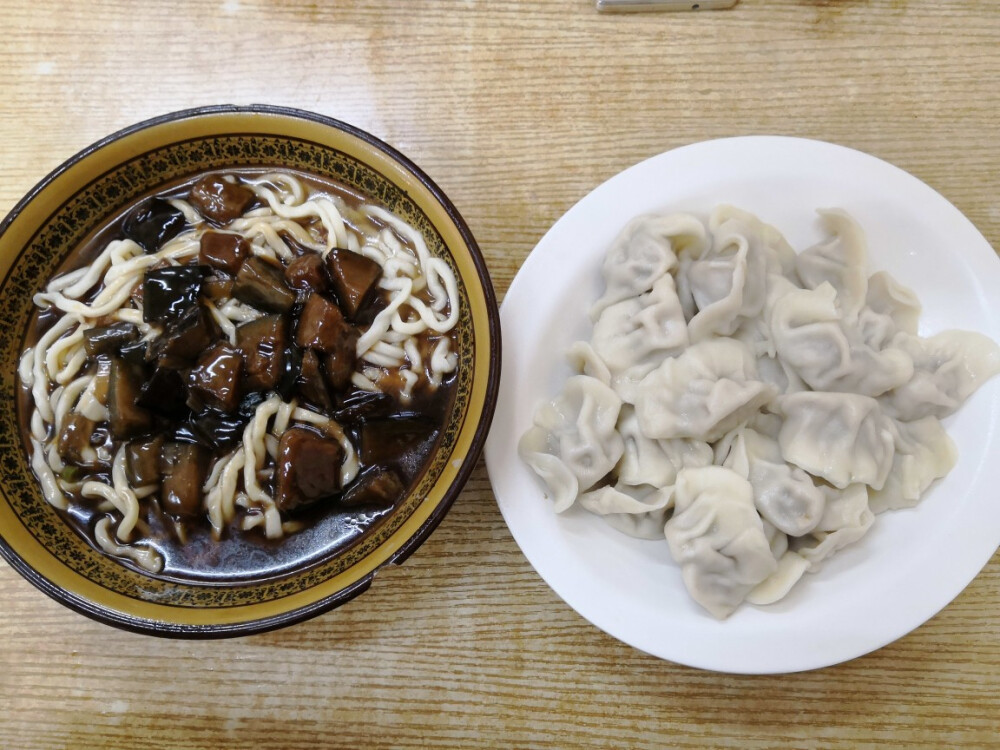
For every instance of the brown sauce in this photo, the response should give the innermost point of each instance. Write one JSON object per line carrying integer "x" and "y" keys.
{"x": 328, "y": 525}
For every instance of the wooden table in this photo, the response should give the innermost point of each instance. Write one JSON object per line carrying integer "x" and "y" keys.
{"x": 517, "y": 109}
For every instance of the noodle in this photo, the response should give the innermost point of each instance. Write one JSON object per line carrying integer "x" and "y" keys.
{"x": 420, "y": 294}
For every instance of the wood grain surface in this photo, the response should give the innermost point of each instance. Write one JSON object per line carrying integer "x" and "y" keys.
{"x": 517, "y": 110}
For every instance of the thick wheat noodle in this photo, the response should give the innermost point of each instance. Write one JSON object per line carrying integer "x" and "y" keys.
{"x": 73, "y": 364}
{"x": 220, "y": 490}
{"x": 237, "y": 312}
{"x": 67, "y": 398}
{"x": 224, "y": 323}
{"x": 380, "y": 359}
{"x": 144, "y": 556}
{"x": 383, "y": 320}
{"x": 321, "y": 208}
{"x": 46, "y": 478}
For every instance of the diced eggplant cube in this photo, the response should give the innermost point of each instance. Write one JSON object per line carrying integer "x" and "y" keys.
{"x": 127, "y": 418}
{"x": 142, "y": 461}
{"x": 290, "y": 372}
{"x": 262, "y": 345}
{"x": 321, "y": 325}
{"x": 354, "y": 278}
{"x": 374, "y": 487}
{"x": 308, "y": 468}
{"x": 224, "y": 251}
{"x": 74, "y": 439}
{"x": 306, "y": 273}
{"x": 339, "y": 364}
{"x": 263, "y": 286}
{"x": 154, "y": 223}
{"x": 188, "y": 337}
{"x": 218, "y": 288}
{"x": 109, "y": 339}
{"x": 183, "y": 466}
{"x": 311, "y": 385}
{"x": 359, "y": 404}
{"x": 101, "y": 376}
{"x": 215, "y": 378}
{"x": 170, "y": 292}
{"x": 213, "y": 429}
{"x": 219, "y": 200}
{"x": 135, "y": 352}
{"x": 164, "y": 393}
{"x": 386, "y": 439}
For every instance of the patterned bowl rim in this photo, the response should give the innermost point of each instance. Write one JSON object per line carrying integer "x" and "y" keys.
{"x": 126, "y": 621}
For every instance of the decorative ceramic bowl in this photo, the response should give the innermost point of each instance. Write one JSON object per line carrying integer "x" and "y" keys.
{"x": 95, "y": 186}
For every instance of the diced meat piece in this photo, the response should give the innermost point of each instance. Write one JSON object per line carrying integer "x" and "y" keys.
{"x": 189, "y": 336}
{"x": 109, "y": 339}
{"x": 306, "y": 272}
{"x": 215, "y": 378}
{"x": 74, "y": 440}
{"x": 224, "y": 251}
{"x": 164, "y": 392}
{"x": 308, "y": 468}
{"x": 219, "y": 200}
{"x": 386, "y": 439}
{"x": 127, "y": 418}
{"x": 154, "y": 223}
{"x": 311, "y": 385}
{"x": 183, "y": 466}
{"x": 321, "y": 325}
{"x": 354, "y": 278}
{"x": 263, "y": 286}
{"x": 169, "y": 292}
{"x": 142, "y": 461}
{"x": 376, "y": 486}
{"x": 262, "y": 344}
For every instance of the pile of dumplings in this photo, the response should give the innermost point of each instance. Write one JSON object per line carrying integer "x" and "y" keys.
{"x": 754, "y": 406}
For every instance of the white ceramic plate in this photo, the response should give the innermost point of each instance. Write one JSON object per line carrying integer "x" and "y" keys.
{"x": 911, "y": 563}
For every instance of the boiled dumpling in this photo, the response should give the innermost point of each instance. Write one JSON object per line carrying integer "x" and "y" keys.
{"x": 785, "y": 495}
{"x": 791, "y": 567}
{"x": 633, "y": 336}
{"x": 583, "y": 359}
{"x": 640, "y": 511}
{"x": 711, "y": 388}
{"x": 829, "y": 354}
{"x": 643, "y": 252}
{"x": 728, "y": 284}
{"x": 846, "y": 518}
{"x": 888, "y": 297}
{"x": 655, "y": 462}
{"x": 948, "y": 368}
{"x": 841, "y": 261}
{"x": 573, "y": 442}
{"x": 717, "y": 538}
{"x": 779, "y": 255}
{"x": 924, "y": 452}
{"x": 842, "y": 437}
